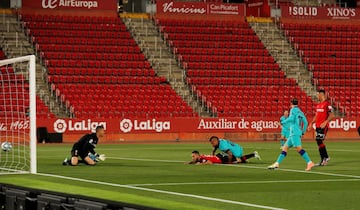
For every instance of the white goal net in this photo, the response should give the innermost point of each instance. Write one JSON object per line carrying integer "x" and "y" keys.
{"x": 18, "y": 115}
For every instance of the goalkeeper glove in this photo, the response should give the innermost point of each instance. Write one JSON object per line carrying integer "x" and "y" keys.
{"x": 102, "y": 157}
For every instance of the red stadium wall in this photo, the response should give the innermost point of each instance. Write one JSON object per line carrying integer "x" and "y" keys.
{"x": 182, "y": 129}
{"x": 257, "y": 8}
{"x": 188, "y": 129}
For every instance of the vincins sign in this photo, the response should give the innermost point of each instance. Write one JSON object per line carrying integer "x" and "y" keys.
{"x": 199, "y": 8}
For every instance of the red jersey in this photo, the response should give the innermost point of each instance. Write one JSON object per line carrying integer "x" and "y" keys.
{"x": 323, "y": 110}
{"x": 212, "y": 158}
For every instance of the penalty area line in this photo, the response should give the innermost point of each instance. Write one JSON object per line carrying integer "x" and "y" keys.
{"x": 244, "y": 182}
{"x": 247, "y": 166}
{"x": 162, "y": 191}
{"x": 296, "y": 171}
{"x": 146, "y": 160}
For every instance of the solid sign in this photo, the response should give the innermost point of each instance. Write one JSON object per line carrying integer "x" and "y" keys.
{"x": 199, "y": 8}
{"x": 71, "y": 4}
{"x": 333, "y": 13}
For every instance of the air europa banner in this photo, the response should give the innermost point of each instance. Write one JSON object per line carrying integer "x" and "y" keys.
{"x": 169, "y": 125}
{"x": 331, "y": 13}
{"x": 199, "y": 8}
{"x": 71, "y": 4}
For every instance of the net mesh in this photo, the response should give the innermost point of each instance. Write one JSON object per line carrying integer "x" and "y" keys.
{"x": 14, "y": 117}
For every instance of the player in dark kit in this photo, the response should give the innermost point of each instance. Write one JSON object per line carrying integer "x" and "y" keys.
{"x": 324, "y": 114}
{"x": 85, "y": 148}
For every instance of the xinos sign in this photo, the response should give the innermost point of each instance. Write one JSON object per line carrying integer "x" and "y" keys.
{"x": 319, "y": 12}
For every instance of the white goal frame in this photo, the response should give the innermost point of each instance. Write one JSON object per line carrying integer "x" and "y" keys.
{"x": 32, "y": 104}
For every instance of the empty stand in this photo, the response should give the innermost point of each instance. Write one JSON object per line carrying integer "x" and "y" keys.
{"x": 96, "y": 68}
{"x": 229, "y": 69}
{"x": 16, "y": 87}
{"x": 332, "y": 54}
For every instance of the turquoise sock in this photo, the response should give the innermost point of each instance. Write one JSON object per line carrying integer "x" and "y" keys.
{"x": 305, "y": 155}
{"x": 281, "y": 157}
{"x": 282, "y": 142}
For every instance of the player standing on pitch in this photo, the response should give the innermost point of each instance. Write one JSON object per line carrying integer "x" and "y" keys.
{"x": 284, "y": 129}
{"x": 324, "y": 114}
{"x": 298, "y": 125}
{"x": 233, "y": 150}
{"x": 85, "y": 148}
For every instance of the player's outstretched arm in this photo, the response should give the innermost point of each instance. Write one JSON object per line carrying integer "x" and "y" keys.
{"x": 305, "y": 126}
{"x": 230, "y": 154}
{"x": 214, "y": 150}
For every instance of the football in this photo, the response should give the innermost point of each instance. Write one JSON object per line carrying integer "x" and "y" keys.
{"x": 6, "y": 146}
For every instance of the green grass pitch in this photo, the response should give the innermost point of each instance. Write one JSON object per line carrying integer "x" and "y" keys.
{"x": 154, "y": 175}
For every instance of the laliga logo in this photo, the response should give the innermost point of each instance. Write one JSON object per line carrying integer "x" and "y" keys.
{"x": 126, "y": 125}
{"x": 60, "y": 126}
{"x": 50, "y": 4}
{"x": 340, "y": 123}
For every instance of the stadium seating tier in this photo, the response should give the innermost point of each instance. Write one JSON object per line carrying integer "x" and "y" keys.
{"x": 98, "y": 56}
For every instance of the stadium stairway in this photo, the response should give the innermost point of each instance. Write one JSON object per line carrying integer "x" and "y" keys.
{"x": 287, "y": 58}
{"x": 162, "y": 59}
{"x": 15, "y": 43}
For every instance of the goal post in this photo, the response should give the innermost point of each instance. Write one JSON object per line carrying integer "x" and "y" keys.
{"x": 18, "y": 114}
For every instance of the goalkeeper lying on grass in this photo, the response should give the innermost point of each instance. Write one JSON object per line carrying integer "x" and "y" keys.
{"x": 85, "y": 149}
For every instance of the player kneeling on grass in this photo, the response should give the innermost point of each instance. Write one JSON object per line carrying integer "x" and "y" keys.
{"x": 233, "y": 150}
{"x": 85, "y": 148}
{"x": 298, "y": 125}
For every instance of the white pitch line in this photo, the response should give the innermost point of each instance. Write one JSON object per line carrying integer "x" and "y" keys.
{"x": 245, "y": 182}
{"x": 147, "y": 160}
{"x": 310, "y": 149}
{"x": 293, "y": 170}
{"x": 162, "y": 191}
{"x": 247, "y": 166}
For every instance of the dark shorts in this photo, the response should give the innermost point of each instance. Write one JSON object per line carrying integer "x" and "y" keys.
{"x": 321, "y": 133}
{"x": 225, "y": 158}
{"x": 76, "y": 152}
